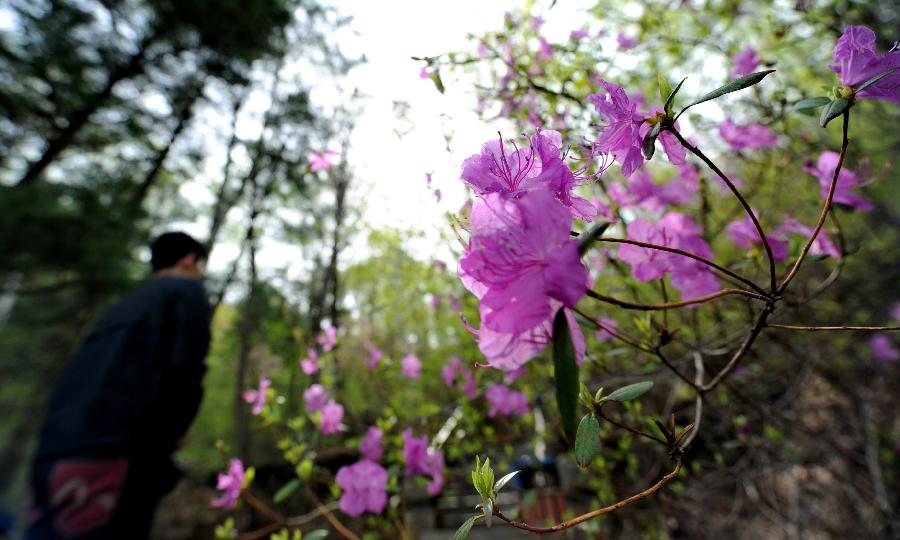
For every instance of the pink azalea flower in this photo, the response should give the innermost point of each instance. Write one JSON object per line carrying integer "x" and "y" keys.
{"x": 857, "y": 61}
{"x": 310, "y": 364}
{"x": 745, "y": 62}
{"x": 469, "y": 383}
{"x": 883, "y": 351}
{"x": 522, "y": 265}
{"x": 424, "y": 73}
{"x": 258, "y": 397}
{"x": 455, "y": 303}
{"x": 512, "y": 376}
{"x": 747, "y": 136}
{"x": 428, "y": 179}
{"x": 603, "y": 334}
{"x": 626, "y": 42}
{"x": 579, "y": 34}
{"x": 643, "y": 191}
{"x": 450, "y": 370}
{"x": 328, "y": 339}
{"x": 537, "y": 22}
{"x": 375, "y": 355}
{"x": 546, "y": 49}
{"x": 505, "y": 401}
{"x": 315, "y": 397}
{"x": 363, "y": 488}
{"x": 621, "y": 137}
{"x": 435, "y": 302}
{"x": 847, "y": 180}
{"x": 743, "y": 233}
{"x": 411, "y": 366}
{"x": 321, "y": 161}
{"x": 437, "y": 195}
{"x": 370, "y": 446}
{"x": 440, "y": 265}
{"x": 422, "y": 460}
{"x": 332, "y": 415}
{"x": 690, "y": 277}
{"x": 230, "y": 483}
{"x": 821, "y": 246}
{"x": 514, "y": 172}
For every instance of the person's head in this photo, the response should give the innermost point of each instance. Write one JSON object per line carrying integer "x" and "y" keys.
{"x": 177, "y": 254}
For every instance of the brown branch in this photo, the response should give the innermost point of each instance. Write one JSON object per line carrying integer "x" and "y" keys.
{"x": 690, "y": 255}
{"x": 630, "y": 429}
{"x": 672, "y": 305}
{"x": 834, "y": 328}
{"x": 762, "y": 235}
{"x": 616, "y": 333}
{"x": 742, "y": 351}
{"x": 594, "y": 513}
{"x": 845, "y": 141}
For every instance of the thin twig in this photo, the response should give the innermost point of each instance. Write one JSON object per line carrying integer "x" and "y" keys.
{"x": 698, "y": 406}
{"x": 845, "y": 141}
{"x": 672, "y": 305}
{"x": 835, "y": 328}
{"x": 742, "y": 351}
{"x": 631, "y": 429}
{"x": 762, "y": 235}
{"x": 598, "y": 512}
{"x": 690, "y": 255}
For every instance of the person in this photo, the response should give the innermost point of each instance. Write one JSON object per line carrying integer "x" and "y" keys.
{"x": 123, "y": 406}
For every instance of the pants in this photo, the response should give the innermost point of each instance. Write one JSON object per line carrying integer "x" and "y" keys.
{"x": 97, "y": 498}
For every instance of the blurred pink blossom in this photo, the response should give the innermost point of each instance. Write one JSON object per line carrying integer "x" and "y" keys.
{"x": 363, "y": 488}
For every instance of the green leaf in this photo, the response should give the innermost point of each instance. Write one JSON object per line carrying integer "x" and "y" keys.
{"x": 648, "y": 146}
{"x": 588, "y": 237}
{"x": 807, "y": 106}
{"x": 565, "y": 371}
{"x": 436, "y": 79}
{"x": 318, "y": 534}
{"x": 587, "y": 441}
{"x": 875, "y": 79}
{"x": 665, "y": 89}
{"x": 738, "y": 84}
{"x": 632, "y": 391}
{"x": 463, "y": 531}
{"x": 837, "y": 107}
{"x": 286, "y": 490}
{"x": 487, "y": 507}
{"x": 504, "y": 480}
{"x": 671, "y": 99}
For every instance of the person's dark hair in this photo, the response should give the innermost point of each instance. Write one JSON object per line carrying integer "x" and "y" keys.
{"x": 170, "y": 247}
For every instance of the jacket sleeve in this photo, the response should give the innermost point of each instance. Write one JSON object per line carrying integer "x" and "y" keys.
{"x": 182, "y": 385}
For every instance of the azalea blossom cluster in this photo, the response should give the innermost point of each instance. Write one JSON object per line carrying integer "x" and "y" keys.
{"x": 363, "y": 484}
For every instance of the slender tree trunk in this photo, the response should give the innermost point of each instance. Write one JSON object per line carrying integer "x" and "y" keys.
{"x": 63, "y": 138}
{"x": 340, "y": 194}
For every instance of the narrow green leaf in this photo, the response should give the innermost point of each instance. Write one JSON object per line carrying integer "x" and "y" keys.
{"x": 632, "y": 391}
{"x": 587, "y": 441}
{"x": 665, "y": 89}
{"x": 648, "y": 145}
{"x": 738, "y": 84}
{"x": 286, "y": 490}
{"x": 670, "y": 101}
{"x": 807, "y": 106}
{"x": 436, "y": 79}
{"x": 834, "y": 109}
{"x": 565, "y": 371}
{"x": 503, "y": 481}
{"x": 463, "y": 531}
{"x": 588, "y": 237}
{"x": 875, "y": 79}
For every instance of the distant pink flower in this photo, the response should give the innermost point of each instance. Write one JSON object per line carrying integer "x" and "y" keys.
{"x": 883, "y": 351}
{"x": 516, "y": 171}
{"x": 626, "y": 42}
{"x": 230, "y": 483}
{"x": 546, "y": 49}
{"x": 375, "y": 355}
{"x": 424, "y": 73}
{"x": 821, "y": 246}
{"x": 579, "y": 34}
{"x": 455, "y": 303}
{"x": 435, "y": 302}
{"x": 857, "y": 61}
{"x": 692, "y": 278}
{"x": 370, "y": 445}
{"x": 747, "y": 136}
{"x": 505, "y": 401}
{"x": 469, "y": 383}
{"x": 315, "y": 397}
{"x": 607, "y": 324}
{"x": 411, "y": 366}
{"x": 422, "y": 460}
{"x": 440, "y": 265}
{"x": 644, "y": 192}
{"x": 257, "y": 397}
{"x": 745, "y": 62}
{"x": 743, "y": 233}
{"x": 450, "y": 370}
{"x": 328, "y": 338}
{"x": 321, "y": 161}
{"x": 332, "y": 415}
{"x": 522, "y": 265}
{"x": 847, "y": 181}
{"x": 512, "y": 376}
{"x": 363, "y": 488}
{"x": 310, "y": 364}
{"x": 621, "y": 136}
{"x": 437, "y": 195}
{"x": 428, "y": 179}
